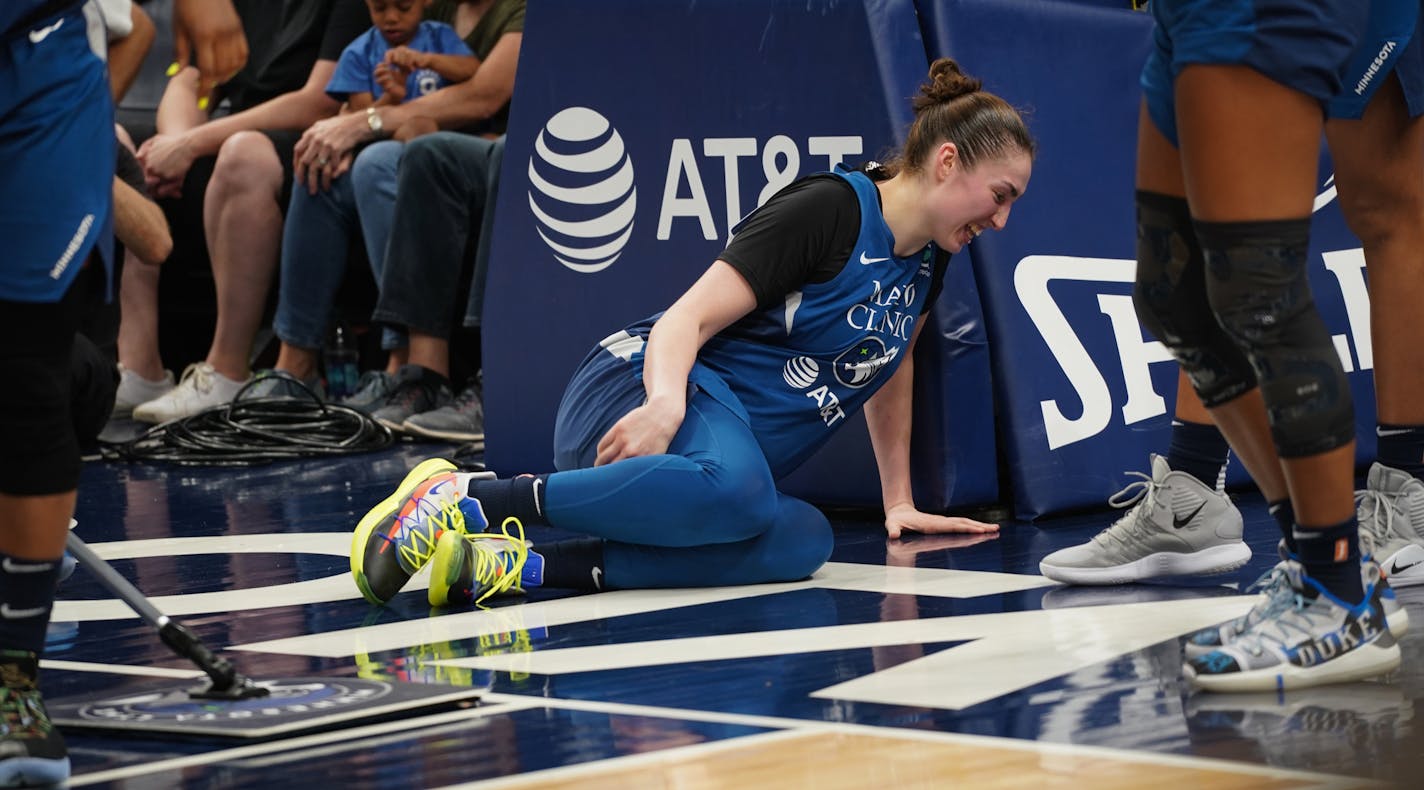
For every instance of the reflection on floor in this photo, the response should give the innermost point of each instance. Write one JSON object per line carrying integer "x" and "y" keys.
{"x": 921, "y": 663}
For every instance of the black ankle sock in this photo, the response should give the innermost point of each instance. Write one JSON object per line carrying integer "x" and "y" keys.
{"x": 575, "y": 564}
{"x": 1332, "y": 557}
{"x": 1284, "y": 514}
{"x": 1199, "y": 450}
{"x": 1401, "y": 447}
{"x": 432, "y": 380}
{"x": 26, "y": 595}
{"x": 521, "y": 497}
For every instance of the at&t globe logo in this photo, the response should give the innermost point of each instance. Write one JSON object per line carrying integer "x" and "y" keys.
{"x": 581, "y": 190}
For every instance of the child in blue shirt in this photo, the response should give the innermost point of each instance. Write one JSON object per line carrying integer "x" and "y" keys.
{"x": 400, "y": 57}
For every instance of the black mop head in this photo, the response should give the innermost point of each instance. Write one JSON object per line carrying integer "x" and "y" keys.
{"x": 287, "y": 706}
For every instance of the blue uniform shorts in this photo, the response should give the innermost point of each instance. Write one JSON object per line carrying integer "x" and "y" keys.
{"x": 57, "y": 146}
{"x": 1390, "y": 43}
{"x": 1410, "y": 70}
{"x": 1302, "y": 44}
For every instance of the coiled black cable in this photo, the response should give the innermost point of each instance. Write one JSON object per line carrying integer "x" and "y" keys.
{"x": 254, "y": 431}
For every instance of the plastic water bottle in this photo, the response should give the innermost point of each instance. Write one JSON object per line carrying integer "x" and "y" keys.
{"x": 341, "y": 369}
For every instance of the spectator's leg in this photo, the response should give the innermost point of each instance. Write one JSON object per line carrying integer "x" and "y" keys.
{"x": 445, "y": 177}
{"x": 243, "y": 225}
{"x": 138, "y": 306}
{"x": 138, "y": 330}
{"x": 373, "y": 176}
{"x": 474, "y": 308}
{"x": 315, "y": 243}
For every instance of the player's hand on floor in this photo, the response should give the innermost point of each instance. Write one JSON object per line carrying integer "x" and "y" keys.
{"x": 908, "y": 519}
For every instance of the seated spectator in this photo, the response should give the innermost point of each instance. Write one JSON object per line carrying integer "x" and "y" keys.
{"x": 142, "y": 238}
{"x": 400, "y": 57}
{"x": 444, "y": 207}
{"x": 478, "y": 106}
{"x": 240, "y": 198}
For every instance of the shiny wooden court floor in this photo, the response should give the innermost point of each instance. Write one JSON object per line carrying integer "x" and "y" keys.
{"x": 935, "y": 662}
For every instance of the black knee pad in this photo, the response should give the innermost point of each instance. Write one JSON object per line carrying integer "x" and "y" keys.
{"x": 1171, "y": 301}
{"x": 1258, "y": 288}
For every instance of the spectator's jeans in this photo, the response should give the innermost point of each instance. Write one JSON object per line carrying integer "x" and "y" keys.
{"x": 448, "y": 185}
{"x": 315, "y": 243}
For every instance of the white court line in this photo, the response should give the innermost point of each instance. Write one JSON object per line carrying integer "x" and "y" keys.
{"x": 508, "y": 703}
{"x": 1003, "y": 651}
{"x": 622, "y": 603}
{"x": 347, "y": 736}
{"x": 121, "y": 669}
{"x": 336, "y": 587}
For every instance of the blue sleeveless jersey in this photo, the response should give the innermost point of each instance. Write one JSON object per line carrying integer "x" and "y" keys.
{"x": 56, "y": 155}
{"x": 798, "y": 370}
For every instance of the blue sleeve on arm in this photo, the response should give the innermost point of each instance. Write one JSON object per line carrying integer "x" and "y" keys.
{"x": 354, "y": 72}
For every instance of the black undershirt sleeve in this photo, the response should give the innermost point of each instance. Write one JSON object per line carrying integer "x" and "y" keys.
{"x": 803, "y": 234}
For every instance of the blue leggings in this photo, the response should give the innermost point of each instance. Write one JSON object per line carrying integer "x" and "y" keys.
{"x": 706, "y": 513}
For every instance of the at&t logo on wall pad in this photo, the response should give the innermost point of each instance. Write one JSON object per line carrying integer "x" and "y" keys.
{"x": 581, "y": 189}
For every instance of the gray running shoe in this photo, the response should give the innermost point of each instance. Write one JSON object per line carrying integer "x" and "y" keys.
{"x": 371, "y": 391}
{"x": 1176, "y": 526}
{"x": 1391, "y": 514}
{"x": 415, "y": 391}
{"x": 1311, "y": 640}
{"x": 461, "y": 421}
{"x": 281, "y": 385}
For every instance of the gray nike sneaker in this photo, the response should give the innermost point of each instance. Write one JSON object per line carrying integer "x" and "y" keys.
{"x": 1176, "y": 526}
{"x": 1391, "y": 514}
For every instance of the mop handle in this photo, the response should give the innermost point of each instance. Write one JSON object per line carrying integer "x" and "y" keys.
{"x": 116, "y": 583}
{"x": 227, "y": 683}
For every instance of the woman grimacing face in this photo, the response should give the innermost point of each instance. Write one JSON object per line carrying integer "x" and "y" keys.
{"x": 967, "y": 201}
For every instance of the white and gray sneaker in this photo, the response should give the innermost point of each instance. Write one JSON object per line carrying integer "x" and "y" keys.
{"x": 1311, "y": 639}
{"x": 201, "y": 388}
{"x": 1176, "y": 526}
{"x": 1391, "y": 514}
{"x": 135, "y": 389}
{"x": 1276, "y": 593}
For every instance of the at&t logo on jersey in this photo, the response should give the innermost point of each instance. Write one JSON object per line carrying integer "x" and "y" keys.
{"x": 801, "y": 372}
{"x": 581, "y": 189}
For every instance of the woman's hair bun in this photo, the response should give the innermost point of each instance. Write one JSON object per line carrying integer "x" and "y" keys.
{"x": 946, "y": 83}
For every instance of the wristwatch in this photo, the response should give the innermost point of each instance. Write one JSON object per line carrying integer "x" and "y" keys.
{"x": 373, "y": 120}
